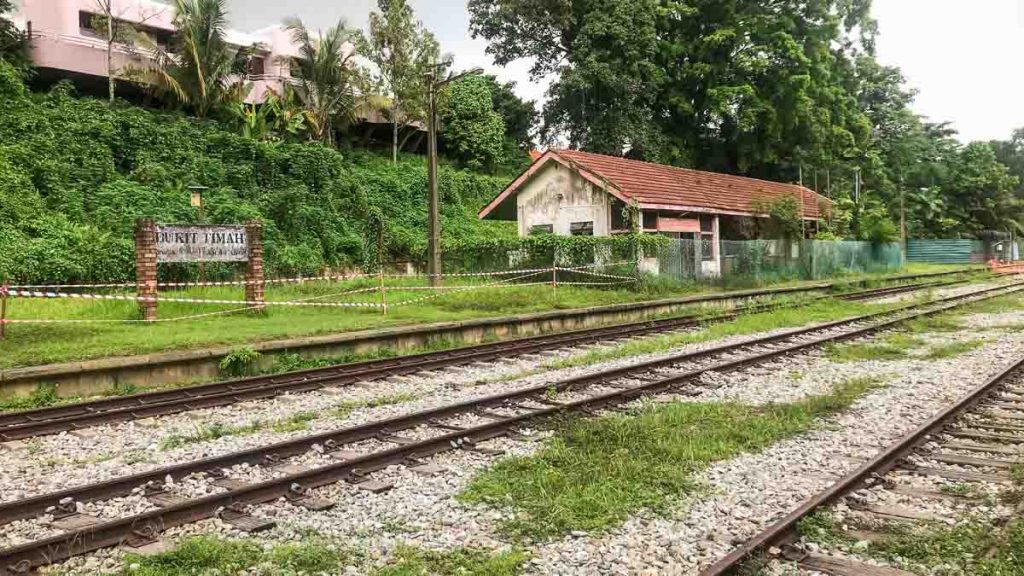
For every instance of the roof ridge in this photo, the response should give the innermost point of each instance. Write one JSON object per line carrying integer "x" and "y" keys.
{"x": 682, "y": 169}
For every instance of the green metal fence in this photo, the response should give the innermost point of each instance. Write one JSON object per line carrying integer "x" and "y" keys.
{"x": 757, "y": 261}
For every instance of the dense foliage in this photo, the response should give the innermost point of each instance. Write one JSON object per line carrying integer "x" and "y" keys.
{"x": 75, "y": 173}
{"x": 766, "y": 89}
{"x": 13, "y": 47}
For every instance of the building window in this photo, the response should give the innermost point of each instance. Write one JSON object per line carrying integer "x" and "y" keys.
{"x": 541, "y": 229}
{"x": 707, "y": 224}
{"x": 256, "y": 66}
{"x": 618, "y": 218}
{"x": 581, "y": 228}
{"x": 88, "y": 25}
{"x": 650, "y": 220}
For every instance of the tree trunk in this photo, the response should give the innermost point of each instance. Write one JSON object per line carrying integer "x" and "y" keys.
{"x": 405, "y": 139}
{"x": 394, "y": 131}
{"x": 110, "y": 53}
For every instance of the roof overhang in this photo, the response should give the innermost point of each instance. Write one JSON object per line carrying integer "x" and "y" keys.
{"x": 493, "y": 208}
{"x": 708, "y": 210}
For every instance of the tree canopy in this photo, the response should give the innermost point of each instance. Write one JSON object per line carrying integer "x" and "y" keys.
{"x": 775, "y": 90}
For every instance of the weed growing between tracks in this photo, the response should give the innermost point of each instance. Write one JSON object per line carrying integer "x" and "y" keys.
{"x": 898, "y": 346}
{"x": 314, "y": 555}
{"x": 594, "y": 473}
{"x": 207, "y": 433}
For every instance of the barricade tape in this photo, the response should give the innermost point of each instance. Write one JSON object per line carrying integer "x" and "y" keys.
{"x": 504, "y": 283}
{"x": 302, "y": 279}
{"x": 254, "y": 303}
{"x": 619, "y": 283}
{"x": 132, "y": 320}
{"x": 597, "y": 274}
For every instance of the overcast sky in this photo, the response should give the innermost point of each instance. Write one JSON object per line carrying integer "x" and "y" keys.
{"x": 963, "y": 56}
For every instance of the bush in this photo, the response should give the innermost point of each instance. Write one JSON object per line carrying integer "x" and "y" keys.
{"x": 75, "y": 174}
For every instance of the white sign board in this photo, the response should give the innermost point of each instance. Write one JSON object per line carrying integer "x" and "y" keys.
{"x": 201, "y": 244}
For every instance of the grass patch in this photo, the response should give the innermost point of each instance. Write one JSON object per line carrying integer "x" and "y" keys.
{"x": 937, "y": 323}
{"x": 594, "y": 473}
{"x": 346, "y": 408}
{"x": 894, "y": 346}
{"x": 29, "y": 345}
{"x": 204, "y": 555}
{"x": 897, "y": 346}
{"x": 952, "y": 349}
{"x": 410, "y": 561}
{"x": 208, "y": 433}
{"x": 209, "y": 556}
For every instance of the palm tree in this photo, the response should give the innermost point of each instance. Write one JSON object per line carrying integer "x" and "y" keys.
{"x": 326, "y": 76}
{"x": 201, "y": 69}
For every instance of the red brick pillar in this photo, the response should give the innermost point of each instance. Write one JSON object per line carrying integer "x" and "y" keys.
{"x": 145, "y": 266}
{"x": 254, "y": 287}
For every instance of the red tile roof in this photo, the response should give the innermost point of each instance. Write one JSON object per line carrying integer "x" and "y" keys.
{"x": 667, "y": 187}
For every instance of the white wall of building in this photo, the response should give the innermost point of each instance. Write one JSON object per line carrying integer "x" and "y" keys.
{"x": 557, "y": 196}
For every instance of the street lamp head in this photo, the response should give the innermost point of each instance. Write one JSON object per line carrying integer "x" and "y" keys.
{"x": 196, "y": 195}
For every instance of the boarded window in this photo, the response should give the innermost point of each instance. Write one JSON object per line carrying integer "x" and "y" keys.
{"x": 581, "y": 228}
{"x": 541, "y": 229}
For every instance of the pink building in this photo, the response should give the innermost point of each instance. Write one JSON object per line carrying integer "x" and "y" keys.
{"x": 66, "y": 45}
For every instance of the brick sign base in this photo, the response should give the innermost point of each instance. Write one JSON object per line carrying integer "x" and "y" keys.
{"x": 146, "y": 266}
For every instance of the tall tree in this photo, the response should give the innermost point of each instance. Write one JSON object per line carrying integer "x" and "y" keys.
{"x": 603, "y": 53}
{"x": 13, "y": 44}
{"x": 326, "y": 75}
{"x": 117, "y": 31}
{"x": 519, "y": 116}
{"x": 402, "y": 52}
{"x": 473, "y": 131}
{"x": 200, "y": 70}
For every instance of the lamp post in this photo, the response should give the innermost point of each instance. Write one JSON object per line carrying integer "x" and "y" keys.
{"x": 434, "y": 197}
{"x": 196, "y": 200}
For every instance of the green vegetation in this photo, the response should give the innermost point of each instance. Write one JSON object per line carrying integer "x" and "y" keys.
{"x": 462, "y": 562}
{"x": 205, "y": 555}
{"x": 345, "y": 409}
{"x": 823, "y": 310}
{"x": 893, "y": 346}
{"x": 747, "y": 88}
{"x": 900, "y": 346}
{"x": 596, "y": 472}
{"x": 40, "y": 344}
{"x": 952, "y": 349}
{"x": 210, "y": 432}
{"x": 208, "y": 555}
{"x": 240, "y": 362}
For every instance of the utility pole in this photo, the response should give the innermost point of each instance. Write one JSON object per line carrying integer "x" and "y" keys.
{"x": 433, "y": 194}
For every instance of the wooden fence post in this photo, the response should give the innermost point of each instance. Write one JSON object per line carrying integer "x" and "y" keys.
{"x": 145, "y": 267}
{"x": 4, "y": 290}
{"x": 554, "y": 283}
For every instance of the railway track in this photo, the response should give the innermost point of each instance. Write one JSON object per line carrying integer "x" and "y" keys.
{"x": 57, "y": 419}
{"x": 977, "y": 440}
{"x": 68, "y": 532}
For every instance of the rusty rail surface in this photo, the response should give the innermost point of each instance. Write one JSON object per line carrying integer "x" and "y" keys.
{"x": 57, "y": 419}
{"x": 785, "y": 530}
{"x": 229, "y": 505}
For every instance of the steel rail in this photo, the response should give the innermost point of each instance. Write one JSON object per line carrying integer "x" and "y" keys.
{"x": 294, "y": 486}
{"x": 53, "y": 420}
{"x": 34, "y": 506}
{"x": 785, "y": 529}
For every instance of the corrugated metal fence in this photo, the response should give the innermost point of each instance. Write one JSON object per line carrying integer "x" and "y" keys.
{"x": 947, "y": 251}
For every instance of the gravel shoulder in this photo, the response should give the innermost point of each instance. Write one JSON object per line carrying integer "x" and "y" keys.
{"x": 740, "y": 497}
